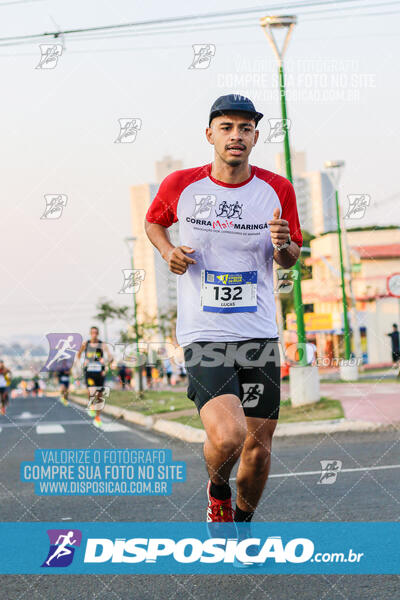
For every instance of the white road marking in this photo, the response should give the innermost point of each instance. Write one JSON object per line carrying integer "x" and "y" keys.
{"x": 27, "y": 415}
{"x": 106, "y": 424}
{"x": 149, "y": 438}
{"x": 53, "y": 428}
{"x": 114, "y": 427}
{"x": 20, "y": 425}
{"x": 356, "y": 469}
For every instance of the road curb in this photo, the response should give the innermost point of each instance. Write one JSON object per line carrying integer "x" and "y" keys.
{"x": 120, "y": 413}
{"x": 185, "y": 433}
{"x": 324, "y": 427}
{"x": 194, "y": 435}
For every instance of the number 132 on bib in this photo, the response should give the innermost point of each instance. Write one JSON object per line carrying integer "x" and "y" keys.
{"x": 228, "y": 292}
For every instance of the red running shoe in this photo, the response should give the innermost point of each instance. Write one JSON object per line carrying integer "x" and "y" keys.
{"x": 218, "y": 511}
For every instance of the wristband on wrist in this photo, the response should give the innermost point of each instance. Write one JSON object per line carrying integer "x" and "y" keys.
{"x": 284, "y": 245}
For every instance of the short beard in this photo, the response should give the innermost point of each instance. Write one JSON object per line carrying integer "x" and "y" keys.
{"x": 234, "y": 162}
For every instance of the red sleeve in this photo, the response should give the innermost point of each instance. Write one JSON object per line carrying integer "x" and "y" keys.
{"x": 163, "y": 208}
{"x": 287, "y": 198}
{"x": 289, "y": 213}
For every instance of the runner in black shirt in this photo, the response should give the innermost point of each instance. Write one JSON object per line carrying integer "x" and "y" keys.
{"x": 395, "y": 339}
{"x": 94, "y": 367}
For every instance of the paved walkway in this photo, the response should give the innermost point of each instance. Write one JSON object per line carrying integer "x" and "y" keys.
{"x": 375, "y": 402}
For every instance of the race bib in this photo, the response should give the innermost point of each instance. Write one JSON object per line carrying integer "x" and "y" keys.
{"x": 94, "y": 367}
{"x": 228, "y": 292}
{"x": 3, "y": 382}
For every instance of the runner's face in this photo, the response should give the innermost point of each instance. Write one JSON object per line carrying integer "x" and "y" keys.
{"x": 94, "y": 334}
{"x": 233, "y": 137}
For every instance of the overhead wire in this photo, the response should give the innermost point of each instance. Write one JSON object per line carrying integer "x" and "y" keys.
{"x": 201, "y": 27}
{"x": 235, "y": 25}
{"x": 174, "y": 20}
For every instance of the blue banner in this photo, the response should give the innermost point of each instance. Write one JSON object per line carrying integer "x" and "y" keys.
{"x": 199, "y": 548}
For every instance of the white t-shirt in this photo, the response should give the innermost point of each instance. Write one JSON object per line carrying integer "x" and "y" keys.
{"x": 228, "y": 294}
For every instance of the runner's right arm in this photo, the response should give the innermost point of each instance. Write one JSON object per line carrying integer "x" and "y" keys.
{"x": 82, "y": 349}
{"x": 175, "y": 256}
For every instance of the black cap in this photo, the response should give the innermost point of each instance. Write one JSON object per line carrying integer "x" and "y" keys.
{"x": 234, "y": 103}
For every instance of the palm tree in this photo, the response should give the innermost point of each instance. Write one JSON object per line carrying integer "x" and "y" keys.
{"x": 106, "y": 311}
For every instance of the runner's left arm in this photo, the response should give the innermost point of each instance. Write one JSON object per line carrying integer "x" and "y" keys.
{"x": 286, "y": 222}
{"x": 287, "y": 257}
{"x": 107, "y": 351}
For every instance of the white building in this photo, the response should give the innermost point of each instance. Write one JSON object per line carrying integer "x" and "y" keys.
{"x": 166, "y": 166}
{"x": 298, "y": 161}
{"x": 157, "y": 294}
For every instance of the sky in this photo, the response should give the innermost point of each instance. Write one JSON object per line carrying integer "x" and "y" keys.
{"x": 59, "y": 126}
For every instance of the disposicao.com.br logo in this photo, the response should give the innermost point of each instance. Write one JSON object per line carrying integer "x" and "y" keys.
{"x": 211, "y": 551}
{"x": 210, "y": 548}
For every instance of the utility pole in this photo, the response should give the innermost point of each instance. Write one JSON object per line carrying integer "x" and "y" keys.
{"x": 130, "y": 241}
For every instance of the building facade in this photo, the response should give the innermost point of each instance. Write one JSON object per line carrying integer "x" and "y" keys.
{"x": 374, "y": 255}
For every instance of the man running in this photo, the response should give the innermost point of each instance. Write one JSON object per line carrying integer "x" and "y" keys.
{"x": 5, "y": 381}
{"x": 35, "y": 386}
{"x": 226, "y": 306}
{"x": 94, "y": 367}
{"x": 395, "y": 341}
{"x": 62, "y": 544}
{"x": 64, "y": 379}
{"x": 122, "y": 375}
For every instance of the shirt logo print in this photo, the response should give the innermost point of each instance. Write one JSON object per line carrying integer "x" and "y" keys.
{"x": 230, "y": 211}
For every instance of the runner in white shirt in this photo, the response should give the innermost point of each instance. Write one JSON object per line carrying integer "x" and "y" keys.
{"x": 234, "y": 219}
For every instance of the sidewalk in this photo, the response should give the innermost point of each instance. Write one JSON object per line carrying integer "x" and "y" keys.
{"x": 366, "y": 408}
{"x": 375, "y": 403}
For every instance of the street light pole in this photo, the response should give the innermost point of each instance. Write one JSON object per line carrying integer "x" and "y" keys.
{"x": 347, "y": 345}
{"x": 353, "y": 307}
{"x": 130, "y": 244}
{"x": 268, "y": 23}
{"x": 334, "y": 167}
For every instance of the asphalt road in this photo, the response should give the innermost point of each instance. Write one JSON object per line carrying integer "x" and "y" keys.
{"x": 357, "y": 495}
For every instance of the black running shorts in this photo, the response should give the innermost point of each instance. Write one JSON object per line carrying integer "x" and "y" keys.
{"x": 94, "y": 379}
{"x": 250, "y": 369}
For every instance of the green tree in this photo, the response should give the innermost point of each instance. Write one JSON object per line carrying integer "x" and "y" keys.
{"x": 106, "y": 311}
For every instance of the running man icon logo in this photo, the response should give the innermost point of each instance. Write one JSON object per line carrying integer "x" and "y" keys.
{"x": 128, "y": 129}
{"x": 97, "y": 397}
{"x": 252, "y": 393}
{"x": 285, "y": 280}
{"x": 203, "y": 205}
{"x": 50, "y": 53}
{"x": 357, "y": 206}
{"x": 329, "y": 471}
{"x": 132, "y": 280}
{"x": 55, "y": 203}
{"x": 277, "y": 130}
{"x": 62, "y": 350}
{"x": 62, "y": 547}
{"x": 203, "y": 54}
